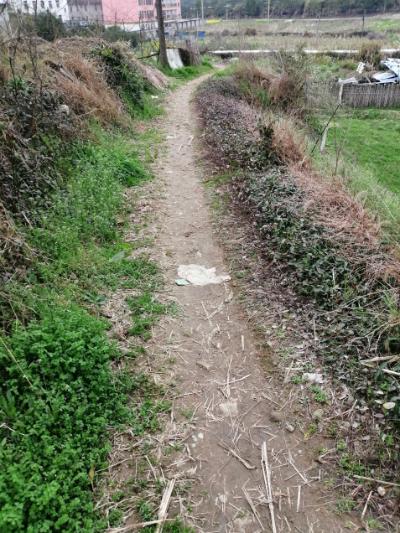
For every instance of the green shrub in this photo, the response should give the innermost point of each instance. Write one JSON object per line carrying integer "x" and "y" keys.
{"x": 116, "y": 33}
{"x": 48, "y": 26}
{"x": 122, "y": 75}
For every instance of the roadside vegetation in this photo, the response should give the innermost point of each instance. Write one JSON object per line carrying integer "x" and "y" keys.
{"x": 327, "y": 249}
{"x": 74, "y": 156}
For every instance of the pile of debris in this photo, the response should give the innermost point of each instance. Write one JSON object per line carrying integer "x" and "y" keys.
{"x": 391, "y": 75}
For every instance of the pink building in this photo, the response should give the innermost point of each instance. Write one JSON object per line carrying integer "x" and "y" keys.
{"x": 131, "y": 14}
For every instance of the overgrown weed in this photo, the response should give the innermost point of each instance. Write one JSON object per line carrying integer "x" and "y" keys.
{"x": 59, "y": 396}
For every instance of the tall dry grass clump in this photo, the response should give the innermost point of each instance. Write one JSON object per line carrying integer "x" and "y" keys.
{"x": 279, "y": 84}
{"x": 83, "y": 87}
{"x": 289, "y": 143}
{"x": 370, "y": 52}
{"x": 249, "y": 71}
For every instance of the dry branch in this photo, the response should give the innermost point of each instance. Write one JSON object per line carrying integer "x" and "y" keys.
{"x": 163, "y": 510}
{"x": 268, "y": 484}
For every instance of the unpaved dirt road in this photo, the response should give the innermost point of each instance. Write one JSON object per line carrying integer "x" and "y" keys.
{"x": 227, "y": 404}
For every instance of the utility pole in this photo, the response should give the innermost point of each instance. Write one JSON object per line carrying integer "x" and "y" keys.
{"x": 268, "y": 9}
{"x": 202, "y": 10}
{"x": 161, "y": 35}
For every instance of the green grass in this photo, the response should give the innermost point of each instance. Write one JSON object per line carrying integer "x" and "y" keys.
{"x": 371, "y": 139}
{"x": 385, "y": 25}
{"x": 145, "y": 310}
{"x": 326, "y": 67}
{"x": 59, "y": 397}
{"x": 366, "y": 142}
{"x": 190, "y": 72}
{"x": 345, "y": 505}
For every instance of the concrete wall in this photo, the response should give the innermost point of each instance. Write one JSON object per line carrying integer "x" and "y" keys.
{"x": 120, "y": 11}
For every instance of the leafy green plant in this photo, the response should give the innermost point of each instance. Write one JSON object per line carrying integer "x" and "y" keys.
{"x": 352, "y": 465}
{"x": 145, "y": 510}
{"x": 320, "y": 395}
{"x": 56, "y": 375}
{"x": 177, "y": 526}
{"x": 122, "y": 75}
{"x": 297, "y": 379}
{"x": 345, "y": 505}
{"x": 145, "y": 310}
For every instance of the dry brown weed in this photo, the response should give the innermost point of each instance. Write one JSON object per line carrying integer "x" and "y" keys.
{"x": 288, "y": 142}
{"x": 84, "y": 89}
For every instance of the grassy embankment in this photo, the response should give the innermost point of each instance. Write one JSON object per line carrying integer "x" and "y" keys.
{"x": 64, "y": 211}
{"x": 324, "y": 246}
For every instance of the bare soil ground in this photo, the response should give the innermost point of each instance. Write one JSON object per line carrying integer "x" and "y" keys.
{"x": 229, "y": 400}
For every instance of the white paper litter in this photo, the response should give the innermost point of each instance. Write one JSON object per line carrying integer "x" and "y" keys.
{"x": 313, "y": 378}
{"x": 201, "y": 275}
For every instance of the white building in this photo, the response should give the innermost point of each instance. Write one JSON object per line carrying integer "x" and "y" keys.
{"x": 59, "y": 8}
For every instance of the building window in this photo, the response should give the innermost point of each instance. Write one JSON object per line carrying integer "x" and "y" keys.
{"x": 50, "y": 4}
{"x": 42, "y": 4}
{"x": 149, "y": 15}
{"x": 26, "y": 7}
{"x": 58, "y": 3}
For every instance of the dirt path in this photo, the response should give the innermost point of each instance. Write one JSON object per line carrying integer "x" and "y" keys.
{"x": 226, "y": 401}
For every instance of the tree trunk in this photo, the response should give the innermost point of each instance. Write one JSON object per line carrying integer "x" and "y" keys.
{"x": 161, "y": 34}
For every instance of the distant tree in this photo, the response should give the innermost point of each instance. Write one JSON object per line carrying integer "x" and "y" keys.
{"x": 290, "y": 8}
{"x": 48, "y": 26}
{"x": 253, "y": 8}
{"x": 115, "y": 33}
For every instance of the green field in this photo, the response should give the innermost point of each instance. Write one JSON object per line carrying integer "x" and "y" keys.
{"x": 363, "y": 148}
{"x": 371, "y": 139}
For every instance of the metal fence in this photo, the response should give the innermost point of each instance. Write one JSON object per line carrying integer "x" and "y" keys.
{"x": 327, "y": 94}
